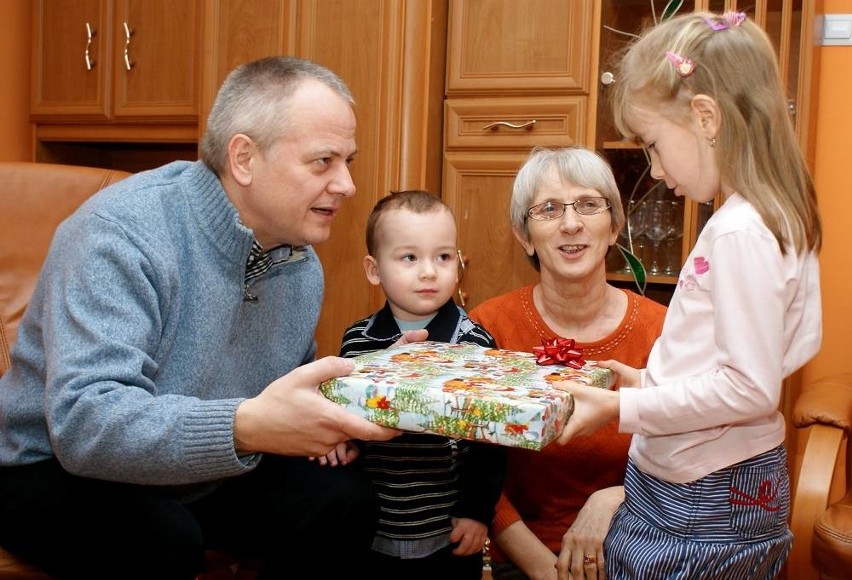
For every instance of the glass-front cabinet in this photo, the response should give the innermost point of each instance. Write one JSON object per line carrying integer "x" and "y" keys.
{"x": 662, "y": 228}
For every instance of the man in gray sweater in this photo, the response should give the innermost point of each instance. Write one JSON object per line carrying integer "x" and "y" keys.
{"x": 162, "y": 397}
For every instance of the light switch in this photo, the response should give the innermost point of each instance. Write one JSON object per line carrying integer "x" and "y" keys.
{"x": 837, "y": 30}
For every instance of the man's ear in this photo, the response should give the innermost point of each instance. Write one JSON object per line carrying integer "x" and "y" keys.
{"x": 371, "y": 269}
{"x": 707, "y": 112}
{"x": 241, "y": 149}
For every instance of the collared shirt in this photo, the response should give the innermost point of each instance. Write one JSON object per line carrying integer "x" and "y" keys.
{"x": 259, "y": 262}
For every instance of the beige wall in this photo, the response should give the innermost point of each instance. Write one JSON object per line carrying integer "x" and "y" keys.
{"x": 833, "y": 179}
{"x": 15, "y": 31}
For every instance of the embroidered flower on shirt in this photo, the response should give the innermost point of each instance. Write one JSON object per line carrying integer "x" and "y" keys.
{"x": 688, "y": 282}
{"x": 702, "y": 266}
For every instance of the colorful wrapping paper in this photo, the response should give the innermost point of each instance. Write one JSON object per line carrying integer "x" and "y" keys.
{"x": 463, "y": 391}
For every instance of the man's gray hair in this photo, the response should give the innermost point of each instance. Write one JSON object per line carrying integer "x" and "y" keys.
{"x": 253, "y": 101}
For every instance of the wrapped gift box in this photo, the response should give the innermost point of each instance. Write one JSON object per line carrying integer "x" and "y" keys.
{"x": 464, "y": 391}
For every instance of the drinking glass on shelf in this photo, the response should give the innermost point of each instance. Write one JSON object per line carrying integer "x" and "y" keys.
{"x": 634, "y": 228}
{"x": 658, "y": 226}
{"x": 674, "y": 243}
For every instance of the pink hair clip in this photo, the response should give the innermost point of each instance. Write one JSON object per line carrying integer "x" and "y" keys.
{"x": 728, "y": 20}
{"x": 734, "y": 18}
{"x": 683, "y": 66}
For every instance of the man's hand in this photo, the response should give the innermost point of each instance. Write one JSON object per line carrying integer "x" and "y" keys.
{"x": 291, "y": 416}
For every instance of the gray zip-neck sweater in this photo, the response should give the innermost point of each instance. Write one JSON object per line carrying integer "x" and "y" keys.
{"x": 138, "y": 344}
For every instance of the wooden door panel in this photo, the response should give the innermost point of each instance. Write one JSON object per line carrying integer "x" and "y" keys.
{"x": 163, "y": 56}
{"x": 508, "y": 46}
{"x": 358, "y": 40}
{"x": 478, "y": 186}
{"x": 240, "y": 31}
{"x": 62, "y": 82}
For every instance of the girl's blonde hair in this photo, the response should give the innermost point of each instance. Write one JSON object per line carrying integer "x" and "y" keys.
{"x": 733, "y": 63}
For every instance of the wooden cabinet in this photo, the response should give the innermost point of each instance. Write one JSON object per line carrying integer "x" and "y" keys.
{"x": 116, "y": 61}
{"x": 518, "y": 75}
{"x": 391, "y": 53}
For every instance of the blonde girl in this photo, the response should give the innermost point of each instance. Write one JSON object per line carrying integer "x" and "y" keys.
{"x": 707, "y": 492}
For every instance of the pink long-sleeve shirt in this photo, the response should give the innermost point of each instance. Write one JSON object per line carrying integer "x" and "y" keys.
{"x": 743, "y": 318}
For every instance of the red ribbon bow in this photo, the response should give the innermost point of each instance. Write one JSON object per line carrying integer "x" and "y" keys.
{"x": 559, "y": 351}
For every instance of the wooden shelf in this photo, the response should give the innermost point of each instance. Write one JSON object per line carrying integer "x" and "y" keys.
{"x": 621, "y": 145}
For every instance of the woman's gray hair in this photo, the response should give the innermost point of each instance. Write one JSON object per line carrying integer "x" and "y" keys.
{"x": 253, "y": 101}
{"x": 574, "y": 165}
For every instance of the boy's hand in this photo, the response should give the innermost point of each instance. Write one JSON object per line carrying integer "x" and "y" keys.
{"x": 410, "y": 336}
{"x": 344, "y": 454}
{"x": 469, "y": 534}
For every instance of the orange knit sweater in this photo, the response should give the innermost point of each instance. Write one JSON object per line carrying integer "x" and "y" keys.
{"x": 547, "y": 488}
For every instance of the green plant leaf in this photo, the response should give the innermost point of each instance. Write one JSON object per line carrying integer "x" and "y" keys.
{"x": 671, "y": 9}
{"x": 636, "y": 268}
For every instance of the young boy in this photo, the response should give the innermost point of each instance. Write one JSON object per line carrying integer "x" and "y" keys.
{"x": 436, "y": 495}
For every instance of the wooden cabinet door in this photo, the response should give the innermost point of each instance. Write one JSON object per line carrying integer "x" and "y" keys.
{"x": 513, "y": 47}
{"x": 240, "y": 31}
{"x": 478, "y": 186}
{"x": 64, "y": 83}
{"x": 155, "y": 59}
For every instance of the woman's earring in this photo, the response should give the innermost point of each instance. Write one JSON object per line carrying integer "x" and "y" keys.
{"x": 712, "y": 141}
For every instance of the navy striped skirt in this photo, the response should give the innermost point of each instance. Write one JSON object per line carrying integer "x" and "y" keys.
{"x": 730, "y": 524}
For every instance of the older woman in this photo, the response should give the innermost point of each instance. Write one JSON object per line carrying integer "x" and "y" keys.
{"x": 566, "y": 212}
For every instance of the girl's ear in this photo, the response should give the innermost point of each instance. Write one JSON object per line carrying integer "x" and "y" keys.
{"x": 707, "y": 112}
{"x": 371, "y": 269}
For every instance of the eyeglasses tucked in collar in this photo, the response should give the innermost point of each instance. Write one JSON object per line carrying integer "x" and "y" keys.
{"x": 551, "y": 210}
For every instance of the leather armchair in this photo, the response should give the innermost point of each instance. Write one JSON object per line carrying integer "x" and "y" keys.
{"x": 34, "y": 199}
{"x": 821, "y": 518}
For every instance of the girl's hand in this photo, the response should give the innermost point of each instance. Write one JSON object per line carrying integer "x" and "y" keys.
{"x": 625, "y": 376}
{"x": 593, "y": 408}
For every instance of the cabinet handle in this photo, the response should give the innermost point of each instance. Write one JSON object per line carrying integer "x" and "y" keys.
{"x": 127, "y": 34}
{"x": 463, "y": 260}
{"x": 497, "y": 124}
{"x": 90, "y": 32}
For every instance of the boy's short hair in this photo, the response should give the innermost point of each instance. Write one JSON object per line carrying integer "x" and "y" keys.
{"x": 414, "y": 200}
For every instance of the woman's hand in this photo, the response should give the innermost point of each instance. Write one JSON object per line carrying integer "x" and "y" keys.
{"x": 582, "y": 545}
